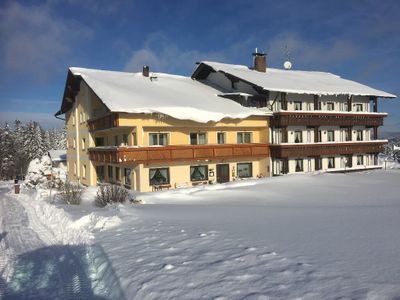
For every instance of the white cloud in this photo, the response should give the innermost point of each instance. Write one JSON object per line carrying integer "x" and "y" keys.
{"x": 34, "y": 40}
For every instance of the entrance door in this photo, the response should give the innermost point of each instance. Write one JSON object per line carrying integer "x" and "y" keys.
{"x": 222, "y": 173}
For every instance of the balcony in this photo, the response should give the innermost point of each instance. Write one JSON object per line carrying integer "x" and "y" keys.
{"x": 163, "y": 154}
{"x": 325, "y": 149}
{"x": 103, "y": 123}
{"x": 318, "y": 118}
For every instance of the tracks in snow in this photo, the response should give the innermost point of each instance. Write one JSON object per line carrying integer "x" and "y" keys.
{"x": 33, "y": 264}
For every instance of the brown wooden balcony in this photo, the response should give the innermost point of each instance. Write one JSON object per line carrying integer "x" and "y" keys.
{"x": 324, "y": 149}
{"x": 177, "y": 153}
{"x": 326, "y": 119}
{"x": 105, "y": 122}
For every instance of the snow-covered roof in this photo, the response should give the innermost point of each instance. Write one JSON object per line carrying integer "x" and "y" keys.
{"x": 298, "y": 82}
{"x": 177, "y": 96}
{"x": 58, "y": 155}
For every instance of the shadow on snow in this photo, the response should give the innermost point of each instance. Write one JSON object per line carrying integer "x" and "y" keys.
{"x": 62, "y": 272}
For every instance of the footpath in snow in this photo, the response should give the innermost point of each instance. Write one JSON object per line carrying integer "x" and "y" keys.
{"x": 44, "y": 257}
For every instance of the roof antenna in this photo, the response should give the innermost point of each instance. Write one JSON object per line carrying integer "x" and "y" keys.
{"x": 287, "y": 65}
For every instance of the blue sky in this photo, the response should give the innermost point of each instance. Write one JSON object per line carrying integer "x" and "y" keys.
{"x": 39, "y": 40}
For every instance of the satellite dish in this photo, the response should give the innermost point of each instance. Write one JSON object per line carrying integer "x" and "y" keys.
{"x": 287, "y": 65}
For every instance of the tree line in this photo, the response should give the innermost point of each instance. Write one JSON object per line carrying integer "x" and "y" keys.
{"x": 21, "y": 143}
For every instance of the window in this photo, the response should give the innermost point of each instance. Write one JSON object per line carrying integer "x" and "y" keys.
{"x": 360, "y": 160}
{"x": 359, "y": 107}
{"x": 99, "y": 141}
{"x": 117, "y": 177}
{"x": 359, "y": 135}
{"x": 244, "y": 137}
{"x": 244, "y": 170}
{"x": 74, "y": 168}
{"x": 125, "y": 139}
{"x": 84, "y": 171}
{"x": 74, "y": 143}
{"x": 298, "y": 136}
{"x": 221, "y": 137}
{"x": 160, "y": 139}
{"x": 198, "y": 173}
{"x": 159, "y": 176}
{"x": 83, "y": 144}
{"x": 73, "y": 120}
{"x": 319, "y": 136}
{"x": 330, "y": 106}
{"x": 297, "y": 105}
{"x": 81, "y": 118}
{"x": 331, "y": 162}
{"x": 277, "y": 136}
{"x": 331, "y": 136}
{"x": 116, "y": 140}
{"x": 197, "y": 138}
{"x": 345, "y": 106}
{"x": 127, "y": 176}
{"x": 299, "y": 165}
{"x": 110, "y": 173}
{"x": 344, "y": 135}
{"x": 100, "y": 173}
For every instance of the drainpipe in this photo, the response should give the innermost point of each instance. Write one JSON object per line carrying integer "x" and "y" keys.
{"x": 77, "y": 122}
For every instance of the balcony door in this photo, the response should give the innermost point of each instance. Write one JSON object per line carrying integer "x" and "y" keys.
{"x": 222, "y": 173}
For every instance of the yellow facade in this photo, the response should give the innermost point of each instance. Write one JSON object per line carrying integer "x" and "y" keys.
{"x": 135, "y": 129}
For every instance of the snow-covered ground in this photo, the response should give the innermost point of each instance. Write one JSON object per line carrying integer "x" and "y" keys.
{"x": 314, "y": 236}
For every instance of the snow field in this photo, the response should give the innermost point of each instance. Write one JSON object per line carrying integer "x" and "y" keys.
{"x": 163, "y": 261}
{"x": 311, "y": 236}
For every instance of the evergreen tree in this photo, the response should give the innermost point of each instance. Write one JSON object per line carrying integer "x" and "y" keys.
{"x": 7, "y": 150}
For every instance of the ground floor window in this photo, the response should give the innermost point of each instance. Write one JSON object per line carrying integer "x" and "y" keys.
{"x": 127, "y": 176}
{"x": 360, "y": 160}
{"x": 84, "y": 171}
{"x": 110, "y": 173}
{"x": 100, "y": 173}
{"x": 159, "y": 176}
{"x": 299, "y": 165}
{"x": 117, "y": 177}
{"x": 331, "y": 162}
{"x": 198, "y": 173}
{"x": 244, "y": 170}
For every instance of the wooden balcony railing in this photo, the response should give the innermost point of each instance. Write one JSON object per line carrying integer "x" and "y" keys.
{"x": 177, "y": 153}
{"x": 324, "y": 149}
{"x": 105, "y": 122}
{"x": 326, "y": 119}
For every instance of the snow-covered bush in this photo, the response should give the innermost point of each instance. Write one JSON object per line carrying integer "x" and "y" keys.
{"x": 41, "y": 175}
{"x": 71, "y": 193}
{"x": 108, "y": 194}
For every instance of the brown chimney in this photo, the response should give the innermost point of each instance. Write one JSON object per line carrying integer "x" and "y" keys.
{"x": 146, "y": 71}
{"x": 260, "y": 61}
